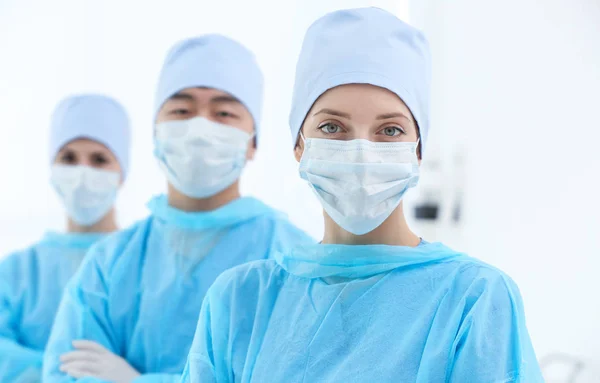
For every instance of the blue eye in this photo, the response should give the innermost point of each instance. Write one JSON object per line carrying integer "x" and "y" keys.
{"x": 392, "y": 131}
{"x": 330, "y": 128}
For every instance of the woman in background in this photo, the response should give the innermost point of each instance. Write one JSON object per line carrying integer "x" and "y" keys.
{"x": 89, "y": 153}
{"x": 373, "y": 302}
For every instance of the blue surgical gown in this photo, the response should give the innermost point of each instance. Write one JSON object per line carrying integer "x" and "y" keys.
{"x": 139, "y": 292}
{"x": 31, "y": 285}
{"x": 333, "y": 313}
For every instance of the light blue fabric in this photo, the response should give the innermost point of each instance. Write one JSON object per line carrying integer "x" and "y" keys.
{"x": 367, "y": 46}
{"x": 212, "y": 61}
{"x": 139, "y": 292}
{"x": 424, "y": 314}
{"x": 95, "y": 117}
{"x": 350, "y": 261}
{"x": 31, "y": 285}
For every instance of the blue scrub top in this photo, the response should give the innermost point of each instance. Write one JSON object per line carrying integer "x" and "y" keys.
{"x": 31, "y": 286}
{"x": 139, "y": 292}
{"x": 332, "y": 313}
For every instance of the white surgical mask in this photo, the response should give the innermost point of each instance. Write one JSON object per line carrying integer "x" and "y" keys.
{"x": 199, "y": 157}
{"x": 359, "y": 182}
{"x": 87, "y": 193}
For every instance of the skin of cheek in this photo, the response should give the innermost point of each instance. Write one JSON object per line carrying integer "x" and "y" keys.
{"x": 113, "y": 165}
{"x": 299, "y": 148}
{"x": 251, "y": 152}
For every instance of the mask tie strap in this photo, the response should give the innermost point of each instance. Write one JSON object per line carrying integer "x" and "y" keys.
{"x": 302, "y": 137}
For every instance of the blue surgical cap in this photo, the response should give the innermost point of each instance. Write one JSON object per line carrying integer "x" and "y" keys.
{"x": 212, "y": 61}
{"x": 363, "y": 46}
{"x": 95, "y": 117}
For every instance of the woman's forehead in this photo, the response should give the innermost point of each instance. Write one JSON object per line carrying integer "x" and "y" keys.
{"x": 86, "y": 145}
{"x": 361, "y": 99}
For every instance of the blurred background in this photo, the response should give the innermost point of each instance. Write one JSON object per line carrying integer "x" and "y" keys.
{"x": 511, "y": 175}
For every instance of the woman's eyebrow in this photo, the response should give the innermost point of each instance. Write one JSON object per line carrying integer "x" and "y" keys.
{"x": 392, "y": 115}
{"x": 333, "y": 113}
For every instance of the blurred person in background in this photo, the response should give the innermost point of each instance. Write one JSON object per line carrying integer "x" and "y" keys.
{"x": 89, "y": 153}
{"x": 374, "y": 302}
{"x": 131, "y": 311}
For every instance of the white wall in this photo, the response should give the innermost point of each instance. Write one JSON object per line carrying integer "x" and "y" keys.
{"x": 517, "y": 82}
{"x": 49, "y": 49}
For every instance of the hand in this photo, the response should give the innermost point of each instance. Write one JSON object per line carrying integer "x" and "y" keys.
{"x": 92, "y": 360}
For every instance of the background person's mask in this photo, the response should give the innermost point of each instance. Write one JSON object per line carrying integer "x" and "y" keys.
{"x": 87, "y": 193}
{"x": 199, "y": 157}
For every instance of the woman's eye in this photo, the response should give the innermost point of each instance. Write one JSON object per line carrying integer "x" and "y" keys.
{"x": 99, "y": 159}
{"x": 330, "y": 128}
{"x": 68, "y": 158}
{"x": 392, "y": 131}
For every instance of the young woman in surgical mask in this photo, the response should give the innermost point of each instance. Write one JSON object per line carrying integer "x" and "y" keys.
{"x": 89, "y": 154}
{"x": 373, "y": 302}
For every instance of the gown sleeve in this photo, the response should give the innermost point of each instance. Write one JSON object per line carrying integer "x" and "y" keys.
{"x": 207, "y": 360}
{"x": 492, "y": 344}
{"x": 17, "y": 362}
{"x": 83, "y": 314}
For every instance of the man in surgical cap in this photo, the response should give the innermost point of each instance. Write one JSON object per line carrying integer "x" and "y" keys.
{"x": 89, "y": 158}
{"x": 130, "y": 312}
{"x": 374, "y": 302}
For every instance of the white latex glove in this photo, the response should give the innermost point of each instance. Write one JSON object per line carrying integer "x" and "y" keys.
{"x": 92, "y": 360}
